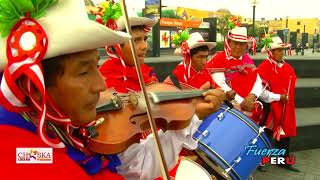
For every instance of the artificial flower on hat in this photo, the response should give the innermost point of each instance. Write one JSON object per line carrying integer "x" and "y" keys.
{"x": 107, "y": 12}
{"x": 270, "y": 42}
{"x": 32, "y": 31}
{"x": 273, "y": 43}
{"x": 179, "y": 40}
{"x": 195, "y": 40}
{"x": 237, "y": 33}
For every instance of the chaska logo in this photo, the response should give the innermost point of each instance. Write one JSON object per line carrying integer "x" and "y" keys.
{"x": 34, "y": 155}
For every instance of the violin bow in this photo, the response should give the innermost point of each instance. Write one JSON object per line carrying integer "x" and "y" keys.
{"x": 163, "y": 164}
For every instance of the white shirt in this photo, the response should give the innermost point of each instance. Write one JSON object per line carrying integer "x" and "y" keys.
{"x": 220, "y": 79}
{"x": 140, "y": 161}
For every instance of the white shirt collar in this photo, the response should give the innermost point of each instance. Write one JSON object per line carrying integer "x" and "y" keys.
{"x": 231, "y": 57}
{"x": 280, "y": 64}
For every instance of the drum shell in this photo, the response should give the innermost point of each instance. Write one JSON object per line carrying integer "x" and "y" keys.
{"x": 228, "y": 138}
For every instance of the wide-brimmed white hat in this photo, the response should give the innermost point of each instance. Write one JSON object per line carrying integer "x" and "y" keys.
{"x": 135, "y": 20}
{"x": 196, "y": 40}
{"x": 69, "y": 30}
{"x": 238, "y": 34}
{"x": 276, "y": 44}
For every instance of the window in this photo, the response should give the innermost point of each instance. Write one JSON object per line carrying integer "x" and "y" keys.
{"x": 298, "y": 30}
{"x": 298, "y": 23}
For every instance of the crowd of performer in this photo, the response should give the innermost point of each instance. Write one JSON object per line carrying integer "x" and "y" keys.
{"x": 51, "y": 85}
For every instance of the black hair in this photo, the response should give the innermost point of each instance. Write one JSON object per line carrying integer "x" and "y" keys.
{"x": 197, "y": 49}
{"x": 136, "y": 28}
{"x": 52, "y": 69}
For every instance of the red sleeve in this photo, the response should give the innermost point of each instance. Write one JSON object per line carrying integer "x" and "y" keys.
{"x": 217, "y": 63}
{"x": 111, "y": 70}
{"x": 263, "y": 70}
{"x": 63, "y": 167}
{"x": 179, "y": 72}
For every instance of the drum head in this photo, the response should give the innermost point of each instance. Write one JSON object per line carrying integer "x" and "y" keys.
{"x": 190, "y": 170}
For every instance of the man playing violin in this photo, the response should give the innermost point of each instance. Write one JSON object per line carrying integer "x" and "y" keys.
{"x": 49, "y": 90}
{"x": 196, "y": 75}
{"x": 120, "y": 74}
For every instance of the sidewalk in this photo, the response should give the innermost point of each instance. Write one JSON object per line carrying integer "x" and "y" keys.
{"x": 308, "y": 162}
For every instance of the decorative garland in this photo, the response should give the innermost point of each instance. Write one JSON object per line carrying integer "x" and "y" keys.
{"x": 11, "y": 12}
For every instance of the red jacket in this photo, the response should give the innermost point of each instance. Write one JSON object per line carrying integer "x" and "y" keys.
{"x": 113, "y": 72}
{"x": 196, "y": 80}
{"x": 278, "y": 80}
{"x": 240, "y": 74}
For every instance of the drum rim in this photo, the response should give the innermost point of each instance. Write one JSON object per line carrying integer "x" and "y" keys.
{"x": 185, "y": 158}
{"x": 233, "y": 172}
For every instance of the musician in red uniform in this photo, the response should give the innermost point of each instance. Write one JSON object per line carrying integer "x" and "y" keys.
{"x": 281, "y": 80}
{"x": 119, "y": 71}
{"x": 191, "y": 72}
{"x": 51, "y": 83}
{"x": 234, "y": 71}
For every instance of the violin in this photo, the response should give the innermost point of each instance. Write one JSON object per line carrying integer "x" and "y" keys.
{"x": 125, "y": 116}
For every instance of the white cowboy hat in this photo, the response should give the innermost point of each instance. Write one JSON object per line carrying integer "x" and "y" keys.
{"x": 135, "y": 20}
{"x": 196, "y": 40}
{"x": 276, "y": 44}
{"x": 238, "y": 34}
{"x": 69, "y": 30}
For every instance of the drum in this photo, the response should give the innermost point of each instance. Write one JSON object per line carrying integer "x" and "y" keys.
{"x": 190, "y": 170}
{"x": 225, "y": 136}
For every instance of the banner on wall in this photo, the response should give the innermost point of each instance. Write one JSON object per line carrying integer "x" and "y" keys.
{"x": 165, "y": 38}
{"x": 152, "y": 9}
{"x": 183, "y": 23}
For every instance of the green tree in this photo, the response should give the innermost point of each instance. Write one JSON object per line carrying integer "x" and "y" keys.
{"x": 222, "y": 21}
{"x": 169, "y": 13}
{"x": 257, "y": 30}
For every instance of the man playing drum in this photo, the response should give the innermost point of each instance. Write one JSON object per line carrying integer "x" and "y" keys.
{"x": 233, "y": 70}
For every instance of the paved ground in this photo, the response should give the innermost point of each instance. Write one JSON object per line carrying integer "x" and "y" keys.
{"x": 308, "y": 82}
{"x": 308, "y": 117}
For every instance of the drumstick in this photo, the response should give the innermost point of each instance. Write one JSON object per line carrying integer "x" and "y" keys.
{"x": 163, "y": 164}
{"x": 280, "y": 130}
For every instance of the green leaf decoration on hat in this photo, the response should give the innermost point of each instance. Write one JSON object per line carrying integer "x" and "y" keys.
{"x": 177, "y": 38}
{"x": 267, "y": 40}
{"x": 110, "y": 10}
{"x": 11, "y": 11}
{"x": 233, "y": 22}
